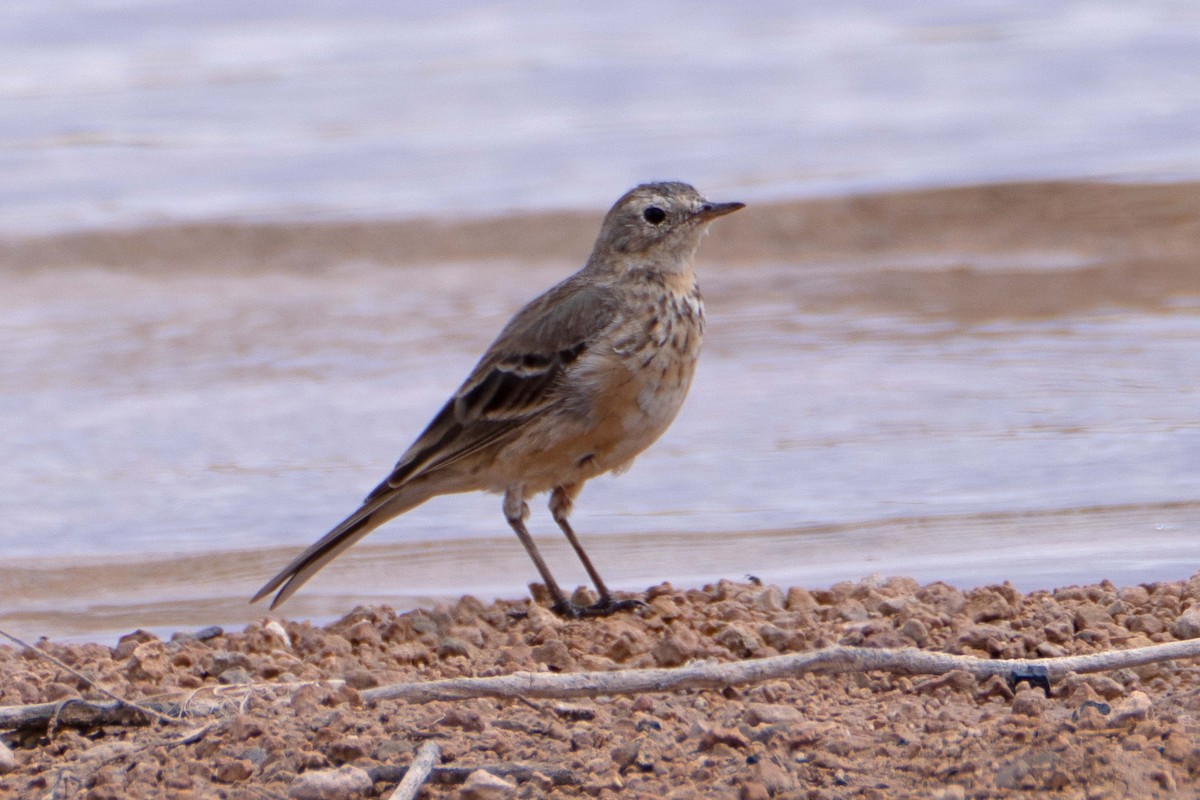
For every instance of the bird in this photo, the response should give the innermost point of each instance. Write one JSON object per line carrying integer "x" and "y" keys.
{"x": 579, "y": 382}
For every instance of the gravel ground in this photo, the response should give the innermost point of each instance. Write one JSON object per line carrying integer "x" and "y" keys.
{"x": 293, "y": 722}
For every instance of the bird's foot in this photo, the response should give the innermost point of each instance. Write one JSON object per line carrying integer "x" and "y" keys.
{"x": 601, "y": 608}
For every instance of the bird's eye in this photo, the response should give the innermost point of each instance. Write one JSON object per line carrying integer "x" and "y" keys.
{"x": 654, "y": 215}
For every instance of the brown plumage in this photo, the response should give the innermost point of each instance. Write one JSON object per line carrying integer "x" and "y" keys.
{"x": 580, "y": 381}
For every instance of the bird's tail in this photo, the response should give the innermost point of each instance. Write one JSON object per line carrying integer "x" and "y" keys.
{"x": 367, "y": 518}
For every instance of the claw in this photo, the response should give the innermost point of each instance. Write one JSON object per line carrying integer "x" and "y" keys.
{"x": 567, "y": 609}
{"x": 601, "y": 608}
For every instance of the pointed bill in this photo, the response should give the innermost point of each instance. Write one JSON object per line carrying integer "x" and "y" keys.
{"x": 710, "y": 211}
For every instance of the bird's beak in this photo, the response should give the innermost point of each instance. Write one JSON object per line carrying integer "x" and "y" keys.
{"x": 710, "y": 211}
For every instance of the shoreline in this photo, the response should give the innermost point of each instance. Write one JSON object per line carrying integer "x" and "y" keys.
{"x": 72, "y": 598}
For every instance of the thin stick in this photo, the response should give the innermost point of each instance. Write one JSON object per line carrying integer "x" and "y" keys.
{"x": 714, "y": 675}
{"x": 418, "y": 772}
{"x": 703, "y": 675}
{"x": 150, "y": 712}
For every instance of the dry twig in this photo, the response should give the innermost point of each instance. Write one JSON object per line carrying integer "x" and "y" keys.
{"x": 418, "y": 772}
{"x": 702, "y": 675}
{"x": 718, "y": 675}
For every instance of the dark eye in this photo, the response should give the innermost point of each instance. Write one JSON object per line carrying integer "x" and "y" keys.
{"x": 654, "y": 215}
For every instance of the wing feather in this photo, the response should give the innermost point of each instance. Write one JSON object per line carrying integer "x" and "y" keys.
{"x": 517, "y": 379}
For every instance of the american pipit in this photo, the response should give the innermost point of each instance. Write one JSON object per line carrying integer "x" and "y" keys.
{"x": 579, "y": 382}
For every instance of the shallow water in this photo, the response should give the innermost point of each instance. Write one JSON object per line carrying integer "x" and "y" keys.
{"x": 180, "y": 434}
{"x": 121, "y": 113}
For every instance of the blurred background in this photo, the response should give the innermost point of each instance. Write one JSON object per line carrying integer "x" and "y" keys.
{"x": 247, "y": 251}
{"x": 121, "y": 112}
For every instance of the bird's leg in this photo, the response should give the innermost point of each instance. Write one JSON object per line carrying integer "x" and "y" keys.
{"x": 562, "y": 500}
{"x": 516, "y": 511}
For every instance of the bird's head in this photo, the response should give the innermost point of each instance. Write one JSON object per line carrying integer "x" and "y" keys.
{"x": 656, "y": 226}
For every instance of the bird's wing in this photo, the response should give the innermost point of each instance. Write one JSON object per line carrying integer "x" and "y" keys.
{"x": 517, "y": 378}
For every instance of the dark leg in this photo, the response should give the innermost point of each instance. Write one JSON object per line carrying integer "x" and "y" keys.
{"x": 515, "y": 511}
{"x": 562, "y": 500}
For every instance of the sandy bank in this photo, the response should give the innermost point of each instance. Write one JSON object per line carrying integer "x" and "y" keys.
{"x": 944, "y": 251}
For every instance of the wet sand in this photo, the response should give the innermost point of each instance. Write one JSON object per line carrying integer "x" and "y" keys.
{"x": 1100, "y": 232}
{"x": 99, "y": 599}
